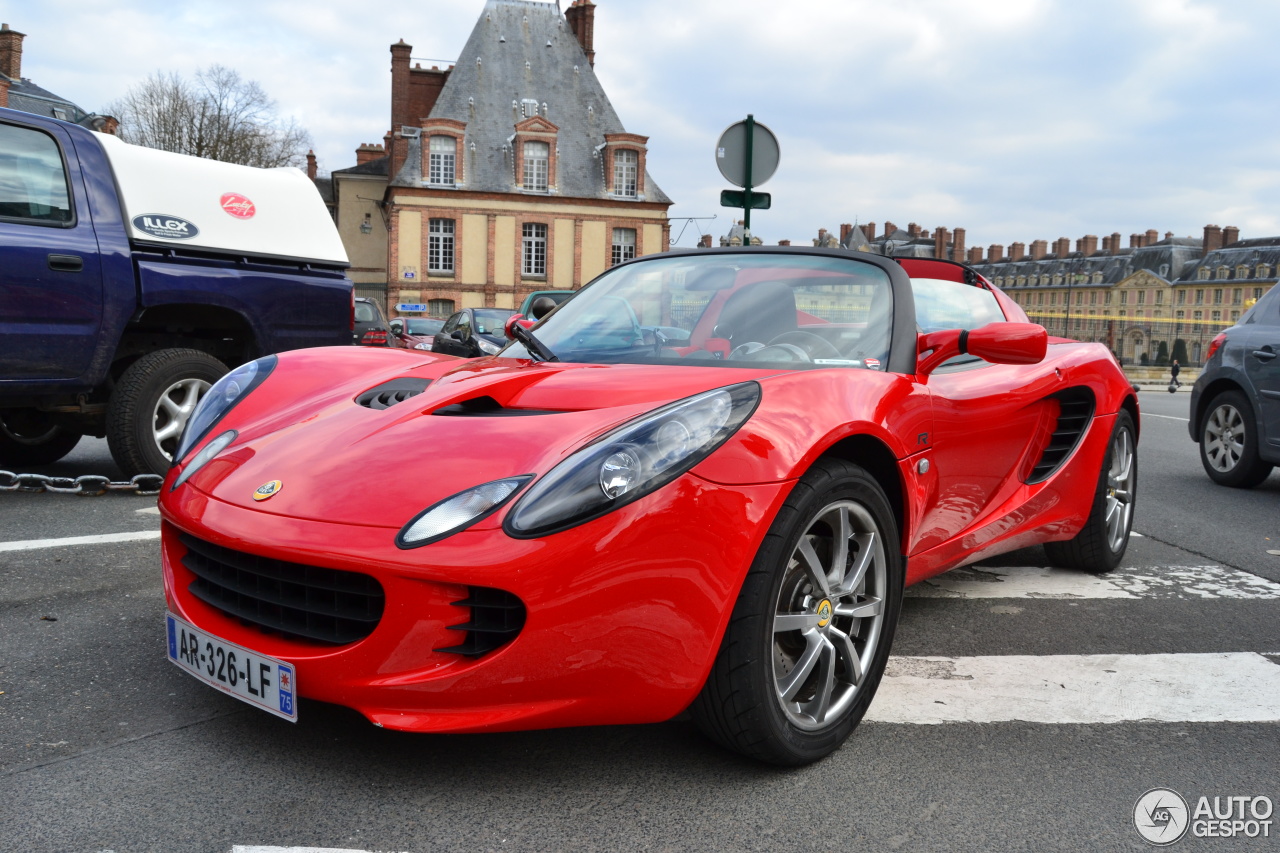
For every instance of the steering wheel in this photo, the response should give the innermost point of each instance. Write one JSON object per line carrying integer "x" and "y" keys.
{"x": 813, "y": 345}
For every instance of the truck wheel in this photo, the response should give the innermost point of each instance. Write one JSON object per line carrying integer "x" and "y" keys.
{"x": 151, "y": 404}
{"x": 28, "y": 437}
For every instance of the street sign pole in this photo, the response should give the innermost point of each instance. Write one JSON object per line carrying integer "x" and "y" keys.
{"x": 746, "y": 194}
{"x": 736, "y": 154}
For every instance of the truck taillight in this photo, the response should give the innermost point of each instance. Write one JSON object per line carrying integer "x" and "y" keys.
{"x": 374, "y": 338}
{"x": 1216, "y": 344}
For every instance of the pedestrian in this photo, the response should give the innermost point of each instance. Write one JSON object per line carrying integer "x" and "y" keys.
{"x": 1175, "y": 369}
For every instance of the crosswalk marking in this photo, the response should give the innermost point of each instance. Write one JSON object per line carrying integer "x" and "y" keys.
{"x": 1080, "y": 689}
{"x": 38, "y": 544}
{"x": 1170, "y": 582}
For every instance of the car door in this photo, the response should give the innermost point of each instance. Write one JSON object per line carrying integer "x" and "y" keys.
{"x": 445, "y": 342}
{"x": 50, "y": 270}
{"x": 1261, "y": 346}
{"x": 987, "y": 417}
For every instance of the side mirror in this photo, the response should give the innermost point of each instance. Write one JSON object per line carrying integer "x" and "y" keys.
{"x": 541, "y": 307}
{"x": 459, "y": 334}
{"x": 511, "y": 321}
{"x": 998, "y": 343}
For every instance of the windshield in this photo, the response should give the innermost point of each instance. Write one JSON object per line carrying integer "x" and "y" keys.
{"x": 790, "y": 310}
{"x": 422, "y": 326}
{"x": 489, "y": 321}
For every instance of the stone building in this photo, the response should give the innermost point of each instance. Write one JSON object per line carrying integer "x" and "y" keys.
{"x": 19, "y": 93}
{"x": 504, "y": 173}
{"x": 1153, "y": 300}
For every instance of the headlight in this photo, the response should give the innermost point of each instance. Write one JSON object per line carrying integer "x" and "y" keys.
{"x": 458, "y": 512}
{"x": 632, "y": 461}
{"x": 488, "y": 348}
{"x": 220, "y": 399}
{"x": 422, "y": 346}
{"x": 202, "y": 458}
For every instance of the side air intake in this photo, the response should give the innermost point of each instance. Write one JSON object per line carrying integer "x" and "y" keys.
{"x": 1074, "y": 414}
{"x": 388, "y": 394}
{"x": 496, "y": 618}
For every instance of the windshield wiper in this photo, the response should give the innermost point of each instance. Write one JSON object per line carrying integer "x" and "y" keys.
{"x": 538, "y": 351}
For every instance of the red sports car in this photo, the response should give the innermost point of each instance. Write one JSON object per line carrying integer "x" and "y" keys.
{"x": 702, "y": 483}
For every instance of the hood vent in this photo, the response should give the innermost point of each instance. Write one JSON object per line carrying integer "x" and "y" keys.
{"x": 388, "y": 394}
{"x": 487, "y": 407}
{"x": 1074, "y": 413}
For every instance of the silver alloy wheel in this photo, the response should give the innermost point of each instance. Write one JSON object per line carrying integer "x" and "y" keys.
{"x": 829, "y": 615}
{"x": 1224, "y": 438}
{"x": 172, "y": 411}
{"x": 1120, "y": 480}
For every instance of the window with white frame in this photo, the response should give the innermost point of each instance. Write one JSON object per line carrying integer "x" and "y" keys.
{"x": 535, "y": 249}
{"x": 442, "y": 160}
{"x": 536, "y": 158}
{"x": 440, "y": 246}
{"x": 625, "y": 168}
{"x": 624, "y": 245}
{"x": 439, "y": 307}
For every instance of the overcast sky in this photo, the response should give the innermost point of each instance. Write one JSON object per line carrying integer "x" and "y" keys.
{"x": 1015, "y": 119}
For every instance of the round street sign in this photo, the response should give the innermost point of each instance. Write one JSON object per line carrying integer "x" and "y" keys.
{"x": 731, "y": 154}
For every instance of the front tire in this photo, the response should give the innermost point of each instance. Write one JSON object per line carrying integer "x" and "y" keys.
{"x": 1229, "y": 443}
{"x": 29, "y": 437}
{"x": 1101, "y": 543}
{"x": 151, "y": 404}
{"x": 810, "y": 634}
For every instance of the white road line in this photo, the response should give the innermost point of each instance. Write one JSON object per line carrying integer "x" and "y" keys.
{"x": 105, "y": 538}
{"x": 244, "y": 848}
{"x": 1080, "y": 689}
{"x": 148, "y": 510}
{"x": 1169, "y": 582}
{"x": 1166, "y": 417}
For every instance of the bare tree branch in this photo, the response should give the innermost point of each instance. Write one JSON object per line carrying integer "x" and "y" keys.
{"x": 219, "y": 116}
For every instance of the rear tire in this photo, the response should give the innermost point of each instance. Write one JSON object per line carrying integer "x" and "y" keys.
{"x": 1229, "y": 443}
{"x": 810, "y": 634}
{"x": 1101, "y": 543}
{"x": 29, "y": 437}
{"x": 151, "y": 404}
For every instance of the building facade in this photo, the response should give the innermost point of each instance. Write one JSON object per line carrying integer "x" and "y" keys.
{"x": 504, "y": 173}
{"x": 1157, "y": 299}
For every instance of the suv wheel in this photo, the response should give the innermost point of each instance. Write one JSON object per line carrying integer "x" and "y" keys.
{"x": 1229, "y": 443}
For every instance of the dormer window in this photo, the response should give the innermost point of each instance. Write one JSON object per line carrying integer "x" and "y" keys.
{"x": 1202, "y": 274}
{"x": 625, "y": 163}
{"x": 1242, "y": 271}
{"x": 537, "y": 157}
{"x": 443, "y": 160}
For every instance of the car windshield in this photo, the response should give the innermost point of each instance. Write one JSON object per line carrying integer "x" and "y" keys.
{"x": 422, "y": 326}
{"x": 786, "y": 309}
{"x": 489, "y": 321}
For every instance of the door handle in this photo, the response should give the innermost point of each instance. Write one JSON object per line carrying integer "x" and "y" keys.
{"x": 1265, "y": 354}
{"x": 66, "y": 263}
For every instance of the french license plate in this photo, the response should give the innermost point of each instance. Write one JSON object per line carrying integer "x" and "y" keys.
{"x": 250, "y": 676}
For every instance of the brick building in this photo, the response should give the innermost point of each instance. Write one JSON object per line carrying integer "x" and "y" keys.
{"x": 19, "y": 93}
{"x": 1151, "y": 300}
{"x": 505, "y": 173}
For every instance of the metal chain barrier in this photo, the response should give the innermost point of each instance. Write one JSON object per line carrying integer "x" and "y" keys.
{"x": 90, "y": 485}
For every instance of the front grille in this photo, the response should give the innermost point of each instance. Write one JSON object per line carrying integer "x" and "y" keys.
{"x": 388, "y": 394}
{"x": 305, "y": 602}
{"x": 496, "y": 617}
{"x": 1075, "y": 409}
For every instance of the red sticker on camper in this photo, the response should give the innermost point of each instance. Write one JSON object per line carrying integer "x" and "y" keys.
{"x": 238, "y": 206}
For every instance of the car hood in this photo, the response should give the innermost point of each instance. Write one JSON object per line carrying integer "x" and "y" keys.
{"x": 341, "y": 461}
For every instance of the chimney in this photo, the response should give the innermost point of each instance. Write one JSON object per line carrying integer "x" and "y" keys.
{"x": 1230, "y": 234}
{"x": 870, "y": 231}
{"x": 4, "y": 93}
{"x": 785, "y": 242}
{"x": 845, "y": 229}
{"x": 957, "y": 250}
{"x": 367, "y": 152}
{"x": 995, "y": 253}
{"x": 1039, "y": 248}
{"x": 311, "y": 165}
{"x": 940, "y": 240}
{"x": 1153, "y": 237}
{"x": 1089, "y": 245}
{"x": 913, "y": 229}
{"x": 889, "y": 228}
{"x": 705, "y": 242}
{"x": 581, "y": 16}
{"x": 10, "y": 54}
{"x": 822, "y": 236}
{"x": 400, "y": 104}
{"x": 975, "y": 255}
{"x": 1212, "y": 239}
{"x": 1135, "y": 241}
{"x": 1062, "y": 247}
{"x": 1115, "y": 242}
{"x": 1168, "y": 235}
{"x": 1017, "y": 251}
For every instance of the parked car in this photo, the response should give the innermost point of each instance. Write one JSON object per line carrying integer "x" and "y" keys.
{"x": 601, "y": 526}
{"x": 556, "y": 297}
{"x": 416, "y": 332}
{"x": 371, "y": 327}
{"x": 1235, "y": 403}
{"x": 472, "y": 332}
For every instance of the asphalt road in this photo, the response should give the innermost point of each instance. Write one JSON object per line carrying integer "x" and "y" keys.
{"x": 104, "y": 745}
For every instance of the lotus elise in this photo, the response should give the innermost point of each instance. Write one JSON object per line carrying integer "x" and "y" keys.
{"x": 701, "y": 483}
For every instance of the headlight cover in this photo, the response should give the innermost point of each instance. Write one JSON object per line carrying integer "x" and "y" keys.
{"x": 632, "y": 461}
{"x": 202, "y": 458}
{"x": 220, "y": 399}
{"x": 488, "y": 348}
{"x": 458, "y": 512}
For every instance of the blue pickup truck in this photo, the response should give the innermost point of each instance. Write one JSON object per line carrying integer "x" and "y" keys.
{"x": 132, "y": 279}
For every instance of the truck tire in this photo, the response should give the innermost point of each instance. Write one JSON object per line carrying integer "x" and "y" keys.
{"x": 151, "y": 404}
{"x": 28, "y": 437}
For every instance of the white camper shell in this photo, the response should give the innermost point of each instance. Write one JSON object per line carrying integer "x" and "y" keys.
{"x": 177, "y": 200}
